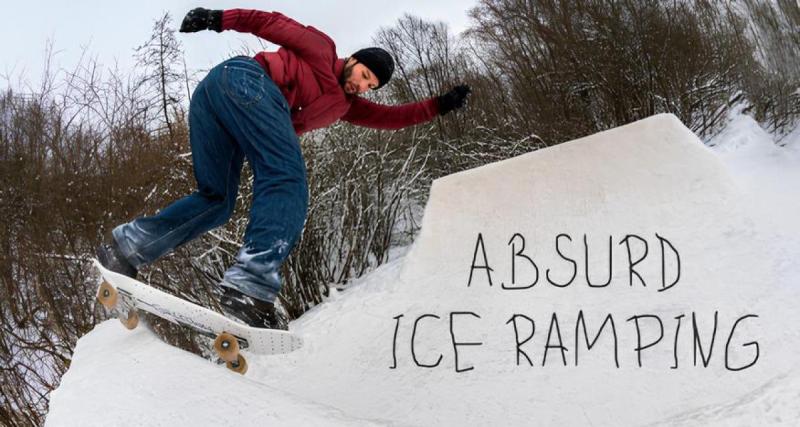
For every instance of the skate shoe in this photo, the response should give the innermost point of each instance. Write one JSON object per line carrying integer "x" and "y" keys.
{"x": 249, "y": 310}
{"x": 111, "y": 258}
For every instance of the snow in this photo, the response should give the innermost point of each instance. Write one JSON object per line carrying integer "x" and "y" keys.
{"x": 730, "y": 213}
{"x": 110, "y": 387}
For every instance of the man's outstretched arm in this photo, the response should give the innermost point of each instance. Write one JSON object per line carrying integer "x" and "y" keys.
{"x": 366, "y": 113}
{"x": 271, "y": 26}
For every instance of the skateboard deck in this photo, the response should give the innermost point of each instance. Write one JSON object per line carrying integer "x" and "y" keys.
{"x": 124, "y": 297}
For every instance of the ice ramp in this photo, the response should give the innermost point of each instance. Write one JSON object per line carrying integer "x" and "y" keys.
{"x": 649, "y": 176}
{"x": 642, "y": 224}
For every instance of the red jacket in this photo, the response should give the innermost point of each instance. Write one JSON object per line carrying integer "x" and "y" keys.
{"x": 307, "y": 69}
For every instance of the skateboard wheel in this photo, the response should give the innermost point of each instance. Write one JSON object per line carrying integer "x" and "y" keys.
{"x": 132, "y": 320}
{"x": 107, "y": 295}
{"x": 227, "y": 347}
{"x": 238, "y": 366}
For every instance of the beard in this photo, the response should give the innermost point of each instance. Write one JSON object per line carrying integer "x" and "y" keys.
{"x": 346, "y": 73}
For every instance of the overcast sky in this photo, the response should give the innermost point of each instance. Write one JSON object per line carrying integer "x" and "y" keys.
{"x": 112, "y": 29}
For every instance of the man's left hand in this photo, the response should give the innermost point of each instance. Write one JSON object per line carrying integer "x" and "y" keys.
{"x": 453, "y": 99}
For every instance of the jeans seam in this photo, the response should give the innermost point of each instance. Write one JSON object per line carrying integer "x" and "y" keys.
{"x": 223, "y": 204}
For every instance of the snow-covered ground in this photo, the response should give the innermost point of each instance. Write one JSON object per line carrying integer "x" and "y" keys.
{"x": 725, "y": 218}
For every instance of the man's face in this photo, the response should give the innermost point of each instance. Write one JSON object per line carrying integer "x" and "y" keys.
{"x": 357, "y": 78}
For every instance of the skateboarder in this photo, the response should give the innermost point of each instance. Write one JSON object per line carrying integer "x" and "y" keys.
{"x": 255, "y": 108}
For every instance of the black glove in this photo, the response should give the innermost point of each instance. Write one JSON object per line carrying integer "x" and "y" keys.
{"x": 453, "y": 99}
{"x": 199, "y": 19}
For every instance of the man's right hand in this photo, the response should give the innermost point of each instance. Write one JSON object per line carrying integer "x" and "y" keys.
{"x": 202, "y": 19}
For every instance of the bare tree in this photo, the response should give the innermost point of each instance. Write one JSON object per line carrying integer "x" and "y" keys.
{"x": 773, "y": 83}
{"x": 162, "y": 57}
{"x": 575, "y": 67}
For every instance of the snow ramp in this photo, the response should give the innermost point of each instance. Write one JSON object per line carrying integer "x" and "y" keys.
{"x": 612, "y": 280}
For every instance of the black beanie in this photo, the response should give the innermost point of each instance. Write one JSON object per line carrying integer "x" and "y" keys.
{"x": 378, "y": 61}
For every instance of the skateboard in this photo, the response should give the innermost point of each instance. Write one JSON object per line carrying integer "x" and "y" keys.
{"x": 123, "y": 297}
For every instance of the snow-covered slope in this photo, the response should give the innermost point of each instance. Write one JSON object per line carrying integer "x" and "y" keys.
{"x": 728, "y": 217}
{"x": 121, "y": 378}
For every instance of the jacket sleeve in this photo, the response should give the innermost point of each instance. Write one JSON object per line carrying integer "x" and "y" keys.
{"x": 366, "y": 113}
{"x": 277, "y": 28}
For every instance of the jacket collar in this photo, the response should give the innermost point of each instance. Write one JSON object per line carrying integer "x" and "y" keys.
{"x": 338, "y": 69}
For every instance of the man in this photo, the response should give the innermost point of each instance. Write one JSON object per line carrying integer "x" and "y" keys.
{"x": 255, "y": 108}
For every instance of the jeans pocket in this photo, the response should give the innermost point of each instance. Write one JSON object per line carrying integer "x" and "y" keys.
{"x": 244, "y": 85}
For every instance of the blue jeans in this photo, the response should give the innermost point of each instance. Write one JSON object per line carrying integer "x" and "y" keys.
{"x": 236, "y": 112}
